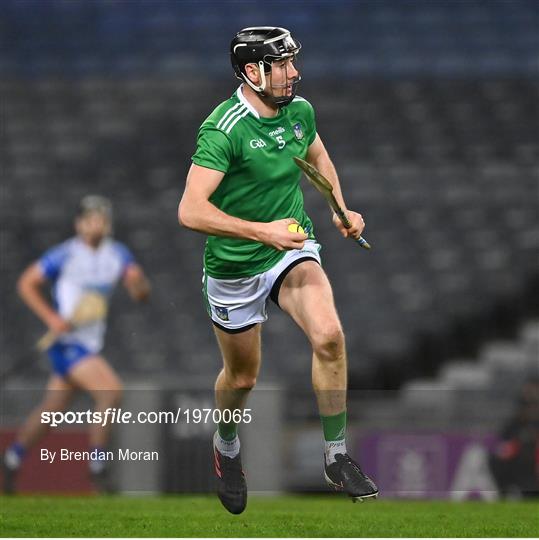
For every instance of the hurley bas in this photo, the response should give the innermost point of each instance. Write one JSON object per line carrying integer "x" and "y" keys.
{"x": 121, "y": 454}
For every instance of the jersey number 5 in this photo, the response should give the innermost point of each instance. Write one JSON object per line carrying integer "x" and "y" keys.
{"x": 281, "y": 141}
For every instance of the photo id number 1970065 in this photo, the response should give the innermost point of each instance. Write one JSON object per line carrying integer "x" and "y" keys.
{"x": 203, "y": 416}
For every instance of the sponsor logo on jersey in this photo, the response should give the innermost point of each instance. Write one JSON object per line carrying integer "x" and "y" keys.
{"x": 298, "y": 132}
{"x": 277, "y": 131}
{"x": 257, "y": 143}
{"x": 222, "y": 313}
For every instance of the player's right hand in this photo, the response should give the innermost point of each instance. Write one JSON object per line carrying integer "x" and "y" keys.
{"x": 57, "y": 324}
{"x": 277, "y": 235}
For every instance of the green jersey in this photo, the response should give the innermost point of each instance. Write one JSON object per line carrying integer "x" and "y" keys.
{"x": 261, "y": 181}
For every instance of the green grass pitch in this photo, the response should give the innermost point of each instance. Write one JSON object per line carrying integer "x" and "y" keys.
{"x": 281, "y": 516}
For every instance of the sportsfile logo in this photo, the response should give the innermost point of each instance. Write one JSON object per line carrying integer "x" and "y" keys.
{"x": 113, "y": 415}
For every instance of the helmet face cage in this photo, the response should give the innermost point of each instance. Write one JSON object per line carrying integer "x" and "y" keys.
{"x": 281, "y": 72}
{"x": 264, "y": 46}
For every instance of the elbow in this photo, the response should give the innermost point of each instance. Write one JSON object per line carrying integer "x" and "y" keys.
{"x": 25, "y": 287}
{"x": 181, "y": 214}
{"x": 19, "y": 287}
{"x": 29, "y": 282}
{"x": 22, "y": 285}
{"x": 185, "y": 216}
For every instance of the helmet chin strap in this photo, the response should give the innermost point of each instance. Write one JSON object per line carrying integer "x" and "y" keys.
{"x": 262, "y": 86}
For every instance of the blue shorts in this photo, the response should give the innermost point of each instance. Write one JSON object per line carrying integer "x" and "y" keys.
{"x": 64, "y": 356}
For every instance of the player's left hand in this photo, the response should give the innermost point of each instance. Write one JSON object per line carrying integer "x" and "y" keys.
{"x": 357, "y": 224}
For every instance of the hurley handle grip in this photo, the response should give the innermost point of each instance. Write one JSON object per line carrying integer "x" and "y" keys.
{"x": 346, "y": 223}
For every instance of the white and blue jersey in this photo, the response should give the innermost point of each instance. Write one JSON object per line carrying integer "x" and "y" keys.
{"x": 74, "y": 269}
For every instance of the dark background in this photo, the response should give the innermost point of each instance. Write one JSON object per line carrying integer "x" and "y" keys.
{"x": 428, "y": 108}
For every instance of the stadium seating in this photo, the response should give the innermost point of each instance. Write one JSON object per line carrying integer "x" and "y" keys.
{"x": 165, "y": 38}
{"x": 435, "y": 146}
{"x": 467, "y": 388}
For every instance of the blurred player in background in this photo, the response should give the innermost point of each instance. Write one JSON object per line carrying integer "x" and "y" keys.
{"x": 243, "y": 191}
{"x": 514, "y": 463}
{"x": 91, "y": 262}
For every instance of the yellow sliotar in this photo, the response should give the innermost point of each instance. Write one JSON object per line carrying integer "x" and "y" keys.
{"x": 296, "y": 227}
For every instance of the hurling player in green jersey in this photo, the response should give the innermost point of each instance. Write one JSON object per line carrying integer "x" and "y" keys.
{"x": 243, "y": 191}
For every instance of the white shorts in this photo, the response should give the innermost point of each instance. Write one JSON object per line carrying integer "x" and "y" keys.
{"x": 235, "y": 305}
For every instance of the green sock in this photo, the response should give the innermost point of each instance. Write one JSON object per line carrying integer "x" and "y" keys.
{"x": 227, "y": 430}
{"x": 334, "y": 426}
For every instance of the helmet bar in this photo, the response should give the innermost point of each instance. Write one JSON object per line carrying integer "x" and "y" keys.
{"x": 282, "y": 36}
{"x": 262, "y": 86}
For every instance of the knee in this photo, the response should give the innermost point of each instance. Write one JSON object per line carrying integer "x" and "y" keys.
{"x": 55, "y": 401}
{"x": 53, "y": 406}
{"x": 111, "y": 397}
{"x": 242, "y": 381}
{"x": 116, "y": 394}
{"x": 328, "y": 343}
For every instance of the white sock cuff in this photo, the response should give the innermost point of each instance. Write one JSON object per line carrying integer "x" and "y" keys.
{"x": 227, "y": 448}
{"x": 334, "y": 447}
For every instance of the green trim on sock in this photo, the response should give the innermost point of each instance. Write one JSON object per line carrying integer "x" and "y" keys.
{"x": 227, "y": 431}
{"x": 334, "y": 426}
